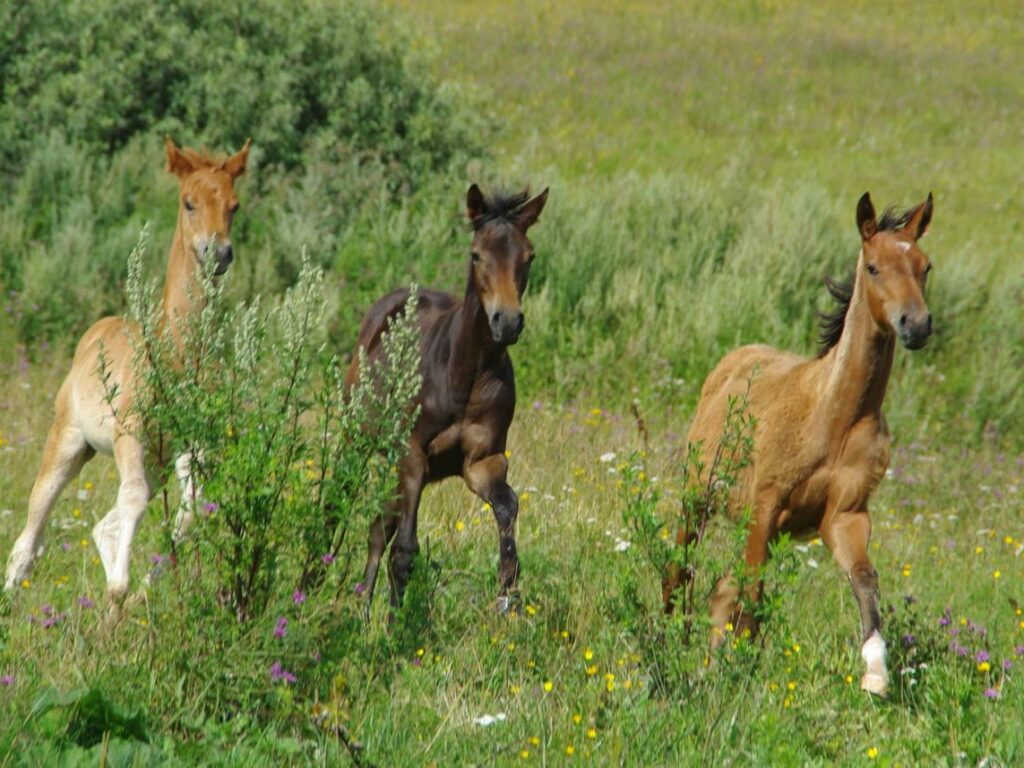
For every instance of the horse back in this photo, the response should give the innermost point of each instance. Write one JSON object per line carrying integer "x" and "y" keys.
{"x": 429, "y": 307}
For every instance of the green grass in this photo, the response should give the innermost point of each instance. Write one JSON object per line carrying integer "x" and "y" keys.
{"x": 705, "y": 160}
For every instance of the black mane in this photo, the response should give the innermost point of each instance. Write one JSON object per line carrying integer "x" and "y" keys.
{"x": 500, "y": 205}
{"x": 832, "y": 322}
{"x": 893, "y": 219}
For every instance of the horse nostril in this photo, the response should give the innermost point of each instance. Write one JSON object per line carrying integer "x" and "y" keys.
{"x": 928, "y": 323}
{"x": 496, "y": 318}
{"x": 903, "y": 320}
{"x": 227, "y": 254}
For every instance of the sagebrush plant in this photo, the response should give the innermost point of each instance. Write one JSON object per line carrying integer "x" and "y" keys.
{"x": 286, "y": 458}
{"x": 670, "y": 523}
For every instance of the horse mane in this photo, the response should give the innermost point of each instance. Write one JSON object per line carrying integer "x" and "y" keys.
{"x": 893, "y": 219}
{"x": 201, "y": 158}
{"x": 832, "y": 323}
{"x": 500, "y": 205}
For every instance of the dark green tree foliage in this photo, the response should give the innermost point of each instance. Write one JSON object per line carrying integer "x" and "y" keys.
{"x": 295, "y": 74}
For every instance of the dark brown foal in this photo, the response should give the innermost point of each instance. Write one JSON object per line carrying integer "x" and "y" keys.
{"x": 468, "y": 395}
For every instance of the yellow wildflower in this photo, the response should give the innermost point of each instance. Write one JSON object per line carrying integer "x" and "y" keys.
{"x": 548, "y": 685}
{"x": 872, "y": 753}
{"x": 569, "y": 749}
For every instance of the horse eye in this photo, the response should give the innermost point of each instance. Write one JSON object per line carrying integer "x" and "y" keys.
{"x": 872, "y": 269}
{"x": 531, "y": 257}
{"x": 927, "y": 268}
{"x": 476, "y": 257}
{"x": 234, "y": 207}
{"x": 188, "y": 206}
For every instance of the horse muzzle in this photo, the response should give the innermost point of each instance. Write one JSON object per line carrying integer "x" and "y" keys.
{"x": 506, "y": 326}
{"x": 914, "y": 332}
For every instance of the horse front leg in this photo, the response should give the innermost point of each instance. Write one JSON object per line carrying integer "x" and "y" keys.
{"x": 847, "y": 535}
{"x": 406, "y": 545}
{"x": 487, "y": 478}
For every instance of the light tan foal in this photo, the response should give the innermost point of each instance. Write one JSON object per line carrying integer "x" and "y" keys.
{"x": 821, "y": 443}
{"x": 86, "y": 423}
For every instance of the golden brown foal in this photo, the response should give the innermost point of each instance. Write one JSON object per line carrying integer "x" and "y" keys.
{"x": 86, "y": 423}
{"x": 821, "y": 444}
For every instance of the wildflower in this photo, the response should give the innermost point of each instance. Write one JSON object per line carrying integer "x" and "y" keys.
{"x": 359, "y": 588}
{"x": 530, "y": 610}
{"x": 978, "y": 550}
{"x": 588, "y": 654}
{"x": 548, "y": 686}
{"x": 981, "y": 656}
{"x": 849, "y": 679}
{"x": 7, "y": 680}
{"x": 83, "y": 543}
{"x": 281, "y": 629}
{"x": 996, "y": 575}
{"x": 417, "y": 661}
{"x": 420, "y": 652}
{"x": 591, "y": 733}
{"x": 514, "y": 689}
{"x": 592, "y": 670}
{"x": 298, "y": 597}
{"x": 607, "y": 458}
{"x": 906, "y": 569}
{"x": 1019, "y": 650}
{"x": 459, "y": 525}
{"x": 1007, "y": 665}
{"x": 570, "y": 749}
{"x": 535, "y": 740}
{"x": 991, "y": 693}
{"x": 210, "y": 507}
{"x": 984, "y": 666}
{"x": 327, "y": 559}
{"x": 524, "y": 754}
{"x": 279, "y": 674}
{"x": 85, "y": 602}
{"x": 791, "y": 685}
{"x": 872, "y": 753}
{"x": 577, "y": 719}
{"x": 728, "y": 626}
{"x": 25, "y": 583}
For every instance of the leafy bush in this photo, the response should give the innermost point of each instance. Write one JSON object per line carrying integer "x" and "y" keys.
{"x": 303, "y": 78}
{"x": 288, "y": 460}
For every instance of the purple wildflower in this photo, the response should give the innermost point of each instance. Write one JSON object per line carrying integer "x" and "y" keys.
{"x": 65, "y": 546}
{"x": 7, "y": 680}
{"x": 1019, "y": 650}
{"x": 909, "y": 640}
{"x": 282, "y": 627}
{"x": 416, "y": 662}
{"x": 47, "y": 610}
{"x": 279, "y": 674}
{"x": 1007, "y": 665}
{"x": 981, "y": 656}
{"x": 298, "y": 597}
{"x": 85, "y": 602}
{"x": 359, "y": 588}
{"x": 156, "y": 559}
{"x": 946, "y": 619}
{"x": 991, "y": 693}
{"x": 328, "y": 558}
{"x": 958, "y": 649}
{"x": 210, "y": 507}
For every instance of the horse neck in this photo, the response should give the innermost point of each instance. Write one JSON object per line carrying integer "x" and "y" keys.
{"x": 473, "y": 348}
{"x": 182, "y": 294}
{"x": 858, "y": 367}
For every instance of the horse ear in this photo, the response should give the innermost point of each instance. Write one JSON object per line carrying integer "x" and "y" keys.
{"x": 527, "y": 216}
{"x": 867, "y": 223}
{"x": 476, "y": 206}
{"x": 235, "y": 165}
{"x": 917, "y": 224}
{"x": 178, "y": 162}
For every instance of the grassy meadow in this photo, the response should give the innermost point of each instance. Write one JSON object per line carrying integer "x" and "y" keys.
{"x": 704, "y": 163}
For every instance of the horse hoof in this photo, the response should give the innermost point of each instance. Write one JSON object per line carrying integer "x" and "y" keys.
{"x": 506, "y": 604}
{"x": 874, "y": 683}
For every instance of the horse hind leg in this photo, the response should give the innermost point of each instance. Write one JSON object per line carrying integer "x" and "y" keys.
{"x": 191, "y": 494}
{"x": 65, "y": 454}
{"x": 382, "y": 531}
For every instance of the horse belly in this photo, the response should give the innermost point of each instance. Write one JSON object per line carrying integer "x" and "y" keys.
{"x": 805, "y": 506}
